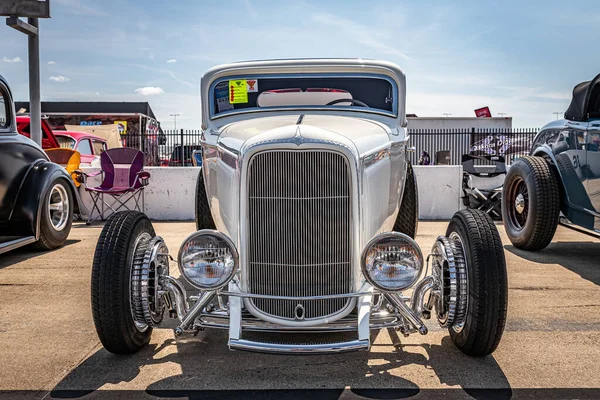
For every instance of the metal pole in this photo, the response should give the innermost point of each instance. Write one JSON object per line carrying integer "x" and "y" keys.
{"x": 182, "y": 150}
{"x": 35, "y": 106}
{"x": 141, "y": 148}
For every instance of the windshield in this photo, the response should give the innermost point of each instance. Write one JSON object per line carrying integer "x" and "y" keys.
{"x": 65, "y": 142}
{"x": 370, "y": 93}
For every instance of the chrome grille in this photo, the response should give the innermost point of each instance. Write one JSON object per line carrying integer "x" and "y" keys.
{"x": 299, "y": 231}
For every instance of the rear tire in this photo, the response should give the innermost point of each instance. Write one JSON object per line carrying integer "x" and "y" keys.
{"x": 487, "y": 283}
{"x": 111, "y": 279}
{"x": 531, "y": 203}
{"x": 56, "y": 216}
{"x": 407, "y": 220}
{"x": 203, "y": 216}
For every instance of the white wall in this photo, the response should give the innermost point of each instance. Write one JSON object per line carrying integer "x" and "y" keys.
{"x": 440, "y": 189}
{"x": 168, "y": 196}
{"x": 170, "y": 193}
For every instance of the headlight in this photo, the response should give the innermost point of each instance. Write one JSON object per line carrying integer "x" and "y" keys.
{"x": 392, "y": 262}
{"x": 207, "y": 259}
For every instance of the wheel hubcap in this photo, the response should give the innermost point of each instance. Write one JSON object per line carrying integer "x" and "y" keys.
{"x": 519, "y": 196}
{"x": 520, "y": 203}
{"x": 58, "y": 207}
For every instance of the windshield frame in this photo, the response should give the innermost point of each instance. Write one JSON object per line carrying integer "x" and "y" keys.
{"x": 62, "y": 139}
{"x": 392, "y": 82}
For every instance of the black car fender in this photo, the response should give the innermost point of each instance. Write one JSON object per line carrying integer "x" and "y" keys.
{"x": 575, "y": 200}
{"x": 34, "y": 190}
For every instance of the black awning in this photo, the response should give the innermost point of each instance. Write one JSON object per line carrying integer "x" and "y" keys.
{"x": 586, "y": 101}
{"x": 91, "y": 107}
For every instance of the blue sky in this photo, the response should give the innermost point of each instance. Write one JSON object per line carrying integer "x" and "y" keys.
{"x": 518, "y": 57}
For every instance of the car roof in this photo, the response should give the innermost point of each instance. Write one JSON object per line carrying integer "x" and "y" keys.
{"x": 78, "y": 135}
{"x": 556, "y": 124}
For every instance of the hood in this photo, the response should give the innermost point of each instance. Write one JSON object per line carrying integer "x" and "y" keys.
{"x": 365, "y": 135}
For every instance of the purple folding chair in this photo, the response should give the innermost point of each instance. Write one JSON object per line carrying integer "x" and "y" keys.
{"x": 124, "y": 180}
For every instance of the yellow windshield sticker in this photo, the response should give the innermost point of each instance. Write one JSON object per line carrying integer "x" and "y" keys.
{"x": 238, "y": 91}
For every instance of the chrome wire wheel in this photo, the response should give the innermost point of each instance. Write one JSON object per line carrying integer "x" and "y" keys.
{"x": 140, "y": 247}
{"x": 463, "y": 284}
{"x": 58, "y": 207}
{"x": 518, "y": 203}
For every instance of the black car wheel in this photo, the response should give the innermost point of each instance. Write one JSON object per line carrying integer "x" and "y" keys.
{"x": 123, "y": 241}
{"x": 56, "y": 215}
{"x": 407, "y": 219}
{"x": 531, "y": 203}
{"x": 202, "y": 213}
{"x": 486, "y": 294}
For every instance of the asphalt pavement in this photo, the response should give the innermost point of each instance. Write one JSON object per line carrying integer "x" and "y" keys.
{"x": 49, "y": 347}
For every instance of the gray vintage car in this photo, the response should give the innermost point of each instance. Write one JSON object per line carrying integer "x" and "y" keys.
{"x": 306, "y": 213}
{"x": 559, "y": 182}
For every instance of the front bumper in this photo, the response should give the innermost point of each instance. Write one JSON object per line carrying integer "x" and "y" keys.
{"x": 401, "y": 313}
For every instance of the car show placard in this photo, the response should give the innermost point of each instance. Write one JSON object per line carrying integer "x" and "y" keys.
{"x": 238, "y": 91}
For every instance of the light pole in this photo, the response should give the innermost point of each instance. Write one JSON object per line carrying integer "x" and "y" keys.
{"x": 557, "y": 113}
{"x": 32, "y": 10}
{"x": 175, "y": 115}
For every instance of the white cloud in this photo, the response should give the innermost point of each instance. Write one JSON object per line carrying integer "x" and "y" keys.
{"x": 149, "y": 91}
{"x": 59, "y": 78}
{"x": 12, "y": 60}
{"x": 51, "y": 62}
{"x": 171, "y": 61}
{"x": 97, "y": 93}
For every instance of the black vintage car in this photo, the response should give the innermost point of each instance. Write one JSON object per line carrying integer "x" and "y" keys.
{"x": 37, "y": 197}
{"x": 559, "y": 182}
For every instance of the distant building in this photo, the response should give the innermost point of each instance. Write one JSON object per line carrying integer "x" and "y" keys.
{"x": 461, "y": 123}
{"x": 61, "y": 113}
{"x": 136, "y": 121}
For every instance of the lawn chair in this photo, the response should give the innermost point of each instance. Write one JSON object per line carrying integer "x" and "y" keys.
{"x": 123, "y": 180}
{"x": 197, "y": 158}
{"x": 442, "y": 157}
{"x": 482, "y": 184}
{"x": 69, "y": 160}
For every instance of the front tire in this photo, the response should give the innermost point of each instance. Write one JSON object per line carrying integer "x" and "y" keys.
{"x": 531, "y": 203}
{"x": 407, "y": 220}
{"x": 125, "y": 234}
{"x": 56, "y": 216}
{"x": 487, "y": 287}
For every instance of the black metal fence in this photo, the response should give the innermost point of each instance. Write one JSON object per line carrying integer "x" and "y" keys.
{"x": 443, "y": 146}
{"x": 172, "y": 148}
{"x": 446, "y": 146}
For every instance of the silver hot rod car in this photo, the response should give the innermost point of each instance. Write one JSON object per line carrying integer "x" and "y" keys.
{"x": 306, "y": 213}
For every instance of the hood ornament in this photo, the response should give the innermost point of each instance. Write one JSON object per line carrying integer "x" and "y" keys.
{"x": 298, "y": 139}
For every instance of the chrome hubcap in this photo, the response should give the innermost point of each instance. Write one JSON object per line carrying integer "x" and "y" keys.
{"x": 58, "y": 207}
{"x": 520, "y": 203}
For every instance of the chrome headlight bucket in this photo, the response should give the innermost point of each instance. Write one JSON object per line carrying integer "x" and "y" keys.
{"x": 392, "y": 262}
{"x": 208, "y": 259}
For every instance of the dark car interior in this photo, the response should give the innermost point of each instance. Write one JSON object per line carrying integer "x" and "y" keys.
{"x": 373, "y": 92}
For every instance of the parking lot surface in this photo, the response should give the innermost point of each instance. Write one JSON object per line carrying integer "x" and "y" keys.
{"x": 48, "y": 343}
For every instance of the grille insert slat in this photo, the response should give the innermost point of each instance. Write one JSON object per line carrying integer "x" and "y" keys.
{"x": 299, "y": 216}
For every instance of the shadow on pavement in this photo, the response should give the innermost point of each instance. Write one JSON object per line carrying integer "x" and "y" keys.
{"x": 207, "y": 367}
{"x": 579, "y": 257}
{"x": 27, "y": 253}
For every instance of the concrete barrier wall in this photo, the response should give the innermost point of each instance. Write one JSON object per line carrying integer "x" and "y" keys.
{"x": 440, "y": 189}
{"x": 170, "y": 194}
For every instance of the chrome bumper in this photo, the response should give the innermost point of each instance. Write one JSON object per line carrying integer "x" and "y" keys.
{"x": 278, "y": 348}
{"x": 403, "y": 316}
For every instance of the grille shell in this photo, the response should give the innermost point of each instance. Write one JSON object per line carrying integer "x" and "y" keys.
{"x": 299, "y": 231}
